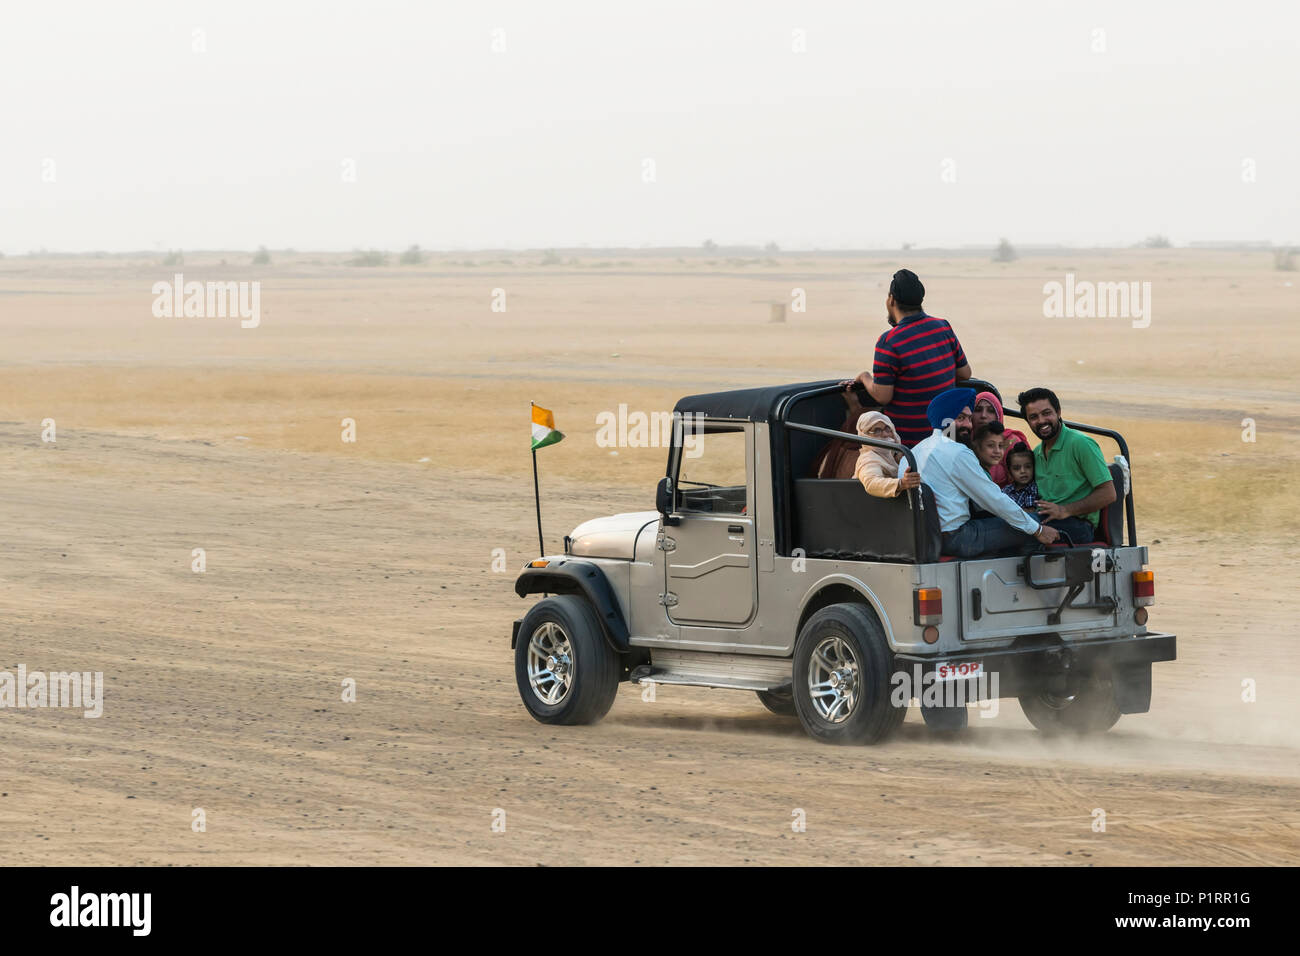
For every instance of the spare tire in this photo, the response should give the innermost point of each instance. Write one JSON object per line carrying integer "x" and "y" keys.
{"x": 1091, "y": 709}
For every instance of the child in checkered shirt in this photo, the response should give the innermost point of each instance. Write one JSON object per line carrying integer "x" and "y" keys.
{"x": 1022, "y": 489}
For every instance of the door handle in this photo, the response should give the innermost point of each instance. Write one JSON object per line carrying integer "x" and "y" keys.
{"x": 735, "y": 529}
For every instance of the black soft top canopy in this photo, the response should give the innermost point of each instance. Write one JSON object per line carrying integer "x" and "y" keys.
{"x": 747, "y": 404}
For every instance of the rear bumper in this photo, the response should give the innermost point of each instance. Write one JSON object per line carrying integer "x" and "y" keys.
{"x": 1049, "y": 663}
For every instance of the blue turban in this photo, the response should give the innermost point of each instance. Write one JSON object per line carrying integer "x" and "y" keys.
{"x": 946, "y": 406}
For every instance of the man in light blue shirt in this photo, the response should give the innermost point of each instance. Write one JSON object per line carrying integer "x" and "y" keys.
{"x": 952, "y": 471}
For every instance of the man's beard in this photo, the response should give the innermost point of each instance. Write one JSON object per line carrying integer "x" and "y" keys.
{"x": 962, "y": 435}
{"x": 1055, "y": 430}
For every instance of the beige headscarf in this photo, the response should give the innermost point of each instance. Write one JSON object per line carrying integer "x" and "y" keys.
{"x": 888, "y": 459}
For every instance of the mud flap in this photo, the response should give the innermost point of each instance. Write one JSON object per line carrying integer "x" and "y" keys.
{"x": 1132, "y": 684}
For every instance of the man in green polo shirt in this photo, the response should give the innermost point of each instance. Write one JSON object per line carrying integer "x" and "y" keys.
{"x": 1074, "y": 483}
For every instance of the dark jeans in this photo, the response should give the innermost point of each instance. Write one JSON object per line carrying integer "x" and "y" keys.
{"x": 1079, "y": 529}
{"x": 987, "y": 537}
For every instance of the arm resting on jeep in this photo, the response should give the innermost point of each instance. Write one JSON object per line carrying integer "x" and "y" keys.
{"x": 870, "y": 471}
{"x": 975, "y": 483}
{"x": 1099, "y": 498}
{"x": 964, "y": 372}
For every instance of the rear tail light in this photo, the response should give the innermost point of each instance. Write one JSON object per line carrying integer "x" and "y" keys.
{"x": 927, "y": 606}
{"x": 1144, "y": 588}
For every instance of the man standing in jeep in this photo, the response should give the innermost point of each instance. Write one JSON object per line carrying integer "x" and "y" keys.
{"x": 915, "y": 360}
{"x": 1074, "y": 483}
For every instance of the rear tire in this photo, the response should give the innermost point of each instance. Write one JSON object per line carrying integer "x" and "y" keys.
{"x": 842, "y": 670}
{"x": 566, "y": 671}
{"x": 1092, "y": 710}
{"x": 780, "y": 704}
{"x": 945, "y": 720}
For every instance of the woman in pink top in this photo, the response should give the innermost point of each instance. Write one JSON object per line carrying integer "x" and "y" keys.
{"x": 988, "y": 408}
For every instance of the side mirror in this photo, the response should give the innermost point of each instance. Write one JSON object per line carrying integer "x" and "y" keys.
{"x": 664, "y": 497}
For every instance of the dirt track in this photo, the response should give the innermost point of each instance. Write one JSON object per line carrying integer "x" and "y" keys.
{"x": 223, "y": 692}
{"x": 328, "y": 561}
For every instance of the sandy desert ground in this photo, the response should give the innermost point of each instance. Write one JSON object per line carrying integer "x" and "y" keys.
{"x": 373, "y": 561}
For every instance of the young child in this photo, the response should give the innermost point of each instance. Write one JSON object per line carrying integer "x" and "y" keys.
{"x": 986, "y": 442}
{"x": 1023, "y": 489}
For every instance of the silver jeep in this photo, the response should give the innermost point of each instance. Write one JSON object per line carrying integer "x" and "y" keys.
{"x": 826, "y": 602}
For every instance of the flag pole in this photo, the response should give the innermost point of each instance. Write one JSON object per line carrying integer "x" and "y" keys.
{"x": 537, "y": 500}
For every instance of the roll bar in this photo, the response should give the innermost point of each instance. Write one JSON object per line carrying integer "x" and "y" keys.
{"x": 914, "y": 498}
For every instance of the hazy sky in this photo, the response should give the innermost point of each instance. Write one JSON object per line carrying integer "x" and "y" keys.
{"x": 854, "y": 142}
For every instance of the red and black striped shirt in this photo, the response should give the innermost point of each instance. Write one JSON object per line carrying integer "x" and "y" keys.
{"x": 919, "y": 357}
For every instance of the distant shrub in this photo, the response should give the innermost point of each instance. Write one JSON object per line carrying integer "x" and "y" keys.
{"x": 1284, "y": 260}
{"x": 1006, "y": 252}
{"x": 1157, "y": 242}
{"x": 771, "y": 247}
{"x": 174, "y": 258}
{"x": 262, "y": 257}
{"x": 411, "y": 257}
{"x": 550, "y": 258}
{"x": 372, "y": 257}
{"x": 708, "y": 245}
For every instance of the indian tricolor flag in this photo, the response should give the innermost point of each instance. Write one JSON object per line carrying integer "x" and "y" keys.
{"x": 544, "y": 432}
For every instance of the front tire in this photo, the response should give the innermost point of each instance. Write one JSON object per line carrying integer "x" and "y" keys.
{"x": 842, "y": 670}
{"x": 1091, "y": 710}
{"x": 566, "y": 671}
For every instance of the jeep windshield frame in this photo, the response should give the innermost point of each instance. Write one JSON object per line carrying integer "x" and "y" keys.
{"x": 782, "y": 426}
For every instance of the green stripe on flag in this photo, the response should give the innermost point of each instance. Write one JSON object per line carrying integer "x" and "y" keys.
{"x": 543, "y": 436}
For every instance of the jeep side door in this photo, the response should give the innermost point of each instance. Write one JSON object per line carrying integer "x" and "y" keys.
{"x": 710, "y": 554}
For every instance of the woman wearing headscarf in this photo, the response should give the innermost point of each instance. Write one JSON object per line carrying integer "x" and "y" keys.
{"x": 877, "y": 468}
{"x": 987, "y": 409}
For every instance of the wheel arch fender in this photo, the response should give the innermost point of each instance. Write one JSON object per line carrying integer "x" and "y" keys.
{"x": 838, "y": 588}
{"x": 585, "y": 580}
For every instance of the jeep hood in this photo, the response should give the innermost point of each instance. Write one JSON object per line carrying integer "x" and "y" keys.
{"x": 611, "y": 537}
